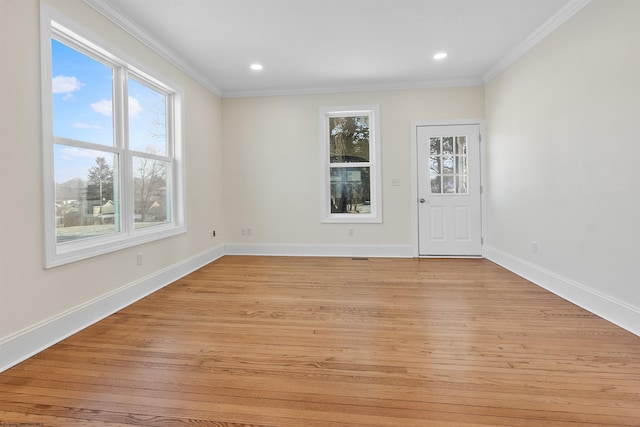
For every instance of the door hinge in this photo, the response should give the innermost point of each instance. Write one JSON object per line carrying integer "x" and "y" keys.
{"x": 479, "y": 137}
{"x": 482, "y": 240}
{"x": 481, "y": 189}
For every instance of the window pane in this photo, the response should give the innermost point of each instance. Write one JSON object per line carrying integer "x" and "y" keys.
{"x": 461, "y": 145}
{"x": 86, "y": 205}
{"x": 461, "y": 165}
{"x": 350, "y": 190}
{"x": 436, "y": 184}
{"x": 434, "y": 145}
{"x": 447, "y": 145}
{"x": 447, "y": 164}
{"x": 448, "y": 184}
{"x": 82, "y": 96}
{"x": 435, "y": 166}
{"x": 147, "y": 119}
{"x": 461, "y": 182}
{"x": 349, "y": 139}
{"x": 150, "y": 192}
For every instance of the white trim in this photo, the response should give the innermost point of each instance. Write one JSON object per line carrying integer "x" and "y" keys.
{"x": 414, "y": 174}
{"x": 119, "y": 19}
{"x": 47, "y": 143}
{"x": 285, "y": 249}
{"x": 465, "y": 82}
{"x": 609, "y": 308}
{"x": 26, "y": 343}
{"x": 563, "y": 15}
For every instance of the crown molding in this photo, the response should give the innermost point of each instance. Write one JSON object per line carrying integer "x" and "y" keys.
{"x": 131, "y": 28}
{"x": 471, "y": 81}
{"x": 119, "y": 19}
{"x": 563, "y": 15}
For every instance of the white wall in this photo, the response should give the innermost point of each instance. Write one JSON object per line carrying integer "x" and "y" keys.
{"x": 29, "y": 295}
{"x": 563, "y": 156}
{"x": 272, "y": 167}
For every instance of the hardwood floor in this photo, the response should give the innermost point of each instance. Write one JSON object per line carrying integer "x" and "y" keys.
{"x": 310, "y": 342}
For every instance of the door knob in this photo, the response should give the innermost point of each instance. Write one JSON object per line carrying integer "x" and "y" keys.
{"x": 422, "y": 200}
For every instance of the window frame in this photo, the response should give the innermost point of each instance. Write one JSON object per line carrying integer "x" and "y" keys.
{"x": 55, "y": 25}
{"x": 374, "y": 164}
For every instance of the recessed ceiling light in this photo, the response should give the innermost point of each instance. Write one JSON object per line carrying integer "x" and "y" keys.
{"x": 440, "y": 55}
{"x": 256, "y": 67}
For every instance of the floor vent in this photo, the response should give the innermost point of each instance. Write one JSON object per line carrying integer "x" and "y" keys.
{"x": 359, "y": 259}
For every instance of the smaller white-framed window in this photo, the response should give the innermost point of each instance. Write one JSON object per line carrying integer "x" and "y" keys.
{"x": 350, "y": 154}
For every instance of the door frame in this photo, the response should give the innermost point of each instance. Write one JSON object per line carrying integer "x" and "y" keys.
{"x": 414, "y": 177}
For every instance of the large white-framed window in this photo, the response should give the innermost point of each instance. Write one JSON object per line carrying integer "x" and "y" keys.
{"x": 350, "y": 154}
{"x": 112, "y": 147}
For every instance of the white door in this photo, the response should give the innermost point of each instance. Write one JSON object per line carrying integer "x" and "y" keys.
{"x": 449, "y": 201}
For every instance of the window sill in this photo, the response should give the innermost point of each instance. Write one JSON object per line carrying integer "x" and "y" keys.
{"x": 78, "y": 251}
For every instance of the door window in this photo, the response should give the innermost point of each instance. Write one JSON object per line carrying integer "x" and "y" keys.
{"x": 448, "y": 164}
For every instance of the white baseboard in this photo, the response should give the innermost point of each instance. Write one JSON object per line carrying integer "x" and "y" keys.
{"x": 24, "y": 344}
{"x": 373, "y": 251}
{"x": 615, "y": 311}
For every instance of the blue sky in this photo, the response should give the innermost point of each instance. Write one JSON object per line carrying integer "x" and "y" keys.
{"x": 82, "y": 110}
{"x": 82, "y": 94}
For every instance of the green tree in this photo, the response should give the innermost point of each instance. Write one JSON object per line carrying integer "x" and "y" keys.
{"x": 349, "y": 139}
{"x": 100, "y": 182}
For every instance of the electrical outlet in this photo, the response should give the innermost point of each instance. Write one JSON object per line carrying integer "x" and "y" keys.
{"x": 249, "y": 231}
{"x": 243, "y": 231}
{"x": 139, "y": 258}
{"x": 352, "y": 232}
{"x": 534, "y": 247}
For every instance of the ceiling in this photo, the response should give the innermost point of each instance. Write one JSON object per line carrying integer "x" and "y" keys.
{"x": 309, "y": 46}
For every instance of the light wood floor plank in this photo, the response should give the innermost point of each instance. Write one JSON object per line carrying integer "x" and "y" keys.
{"x": 336, "y": 342}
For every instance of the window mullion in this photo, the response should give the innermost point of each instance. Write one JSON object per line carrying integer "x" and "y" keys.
{"x": 170, "y": 125}
{"x": 350, "y": 165}
{"x": 134, "y": 153}
{"x": 120, "y": 142}
{"x": 87, "y": 145}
